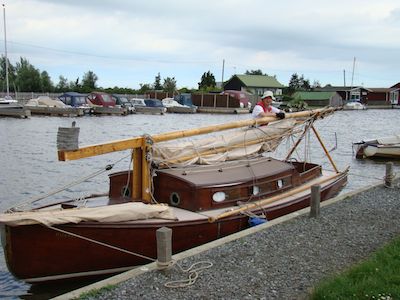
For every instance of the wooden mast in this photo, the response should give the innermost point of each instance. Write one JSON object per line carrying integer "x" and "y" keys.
{"x": 137, "y": 142}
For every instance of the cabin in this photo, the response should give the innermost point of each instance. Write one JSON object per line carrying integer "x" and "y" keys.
{"x": 394, "y": 94}
{"x": 348, "y": 94}
{"x": 101, "y": 99}
{"x": 73, "y": 99}
{"x": 379, "y": 96}
{"x": 254, "y": 84}
{"x": 320, "y": 99}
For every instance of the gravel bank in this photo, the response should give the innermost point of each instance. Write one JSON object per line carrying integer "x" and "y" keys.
{"x": 284, "y": 261}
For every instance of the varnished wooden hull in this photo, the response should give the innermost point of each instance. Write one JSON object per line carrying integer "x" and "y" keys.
{"x": 36, "y": 253}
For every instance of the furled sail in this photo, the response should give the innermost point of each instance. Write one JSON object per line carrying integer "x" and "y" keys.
{"x": 112, "y": 213}
{"x": 224, "y": 147}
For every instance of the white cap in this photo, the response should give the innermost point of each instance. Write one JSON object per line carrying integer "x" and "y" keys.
{"x": 268, "y": 94}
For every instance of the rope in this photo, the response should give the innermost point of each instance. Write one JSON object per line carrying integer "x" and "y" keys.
{"x": 193, "y": 274}
{"x": 67, "y": 186}
{"x": 101, "y": 243}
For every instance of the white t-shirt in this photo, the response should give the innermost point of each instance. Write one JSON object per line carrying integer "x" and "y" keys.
{"x": 258, "y": 109}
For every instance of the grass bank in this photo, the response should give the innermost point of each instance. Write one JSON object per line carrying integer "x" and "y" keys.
{"x": 376, "y": 278}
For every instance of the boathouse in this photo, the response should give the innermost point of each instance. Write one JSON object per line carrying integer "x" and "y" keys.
{"x": 254, "y": 84}
{"x": 319, "y": 99}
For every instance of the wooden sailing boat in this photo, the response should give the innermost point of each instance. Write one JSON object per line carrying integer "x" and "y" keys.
{"x": 200, "y": 203}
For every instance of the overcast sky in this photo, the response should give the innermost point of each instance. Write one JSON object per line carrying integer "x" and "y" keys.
{"x": 128, "y": 42}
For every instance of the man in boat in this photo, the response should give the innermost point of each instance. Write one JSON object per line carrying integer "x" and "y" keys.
{"x": 264, "y": 108}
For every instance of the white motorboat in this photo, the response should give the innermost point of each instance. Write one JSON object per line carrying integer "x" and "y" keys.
{"x": 354, "y": 105}
{"x": 385, "y": 147}
{"x": 8, "y": 103}
{"x": 175, "y": 107}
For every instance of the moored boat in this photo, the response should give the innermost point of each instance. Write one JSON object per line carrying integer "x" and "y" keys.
{"x": 354, "y": 105}
{"x": 385, "y": 147}
{"x": 200, "y": 203}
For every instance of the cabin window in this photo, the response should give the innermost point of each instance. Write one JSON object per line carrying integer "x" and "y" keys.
{"x": 219, "y": 196}
{"x": 279, "y": 183}
{"x": 125, "y": 191}
{"x": 256, "y": 190}
{"x": 174, "y": 199}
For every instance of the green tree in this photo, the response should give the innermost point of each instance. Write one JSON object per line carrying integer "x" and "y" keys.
{"x": 89, "y": 82}
{"x": 169, "y": 85}
{"x": 254, "y": 72}
{"x": 207, "y": 81}
{"x": 46, "y": 83}
{"x": 27, "y": 77}
{"x": 11, "y": 73}
{"x": 298, "y": 83}
{"x": 62, "y": 85}
{"x": 157, "y": 83}
{"x": 316, "y": 84}
{"x": 144, "y": 88}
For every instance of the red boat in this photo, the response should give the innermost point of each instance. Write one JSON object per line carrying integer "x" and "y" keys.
{"x": 200, "y": 204}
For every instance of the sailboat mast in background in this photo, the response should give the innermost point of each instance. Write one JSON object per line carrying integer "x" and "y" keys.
{"x": 5, "y": 49}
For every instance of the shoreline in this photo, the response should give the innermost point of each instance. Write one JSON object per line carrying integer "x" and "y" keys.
{"x": 283, "y": 258}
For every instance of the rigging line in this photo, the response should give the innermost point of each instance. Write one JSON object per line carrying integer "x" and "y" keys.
{"x": 129, "y": 59}
{"x": 100, "y": 243}
{"x": 362, "y": 176}
{"x": 129, "y": 174}
{"x": 71, "y": 184}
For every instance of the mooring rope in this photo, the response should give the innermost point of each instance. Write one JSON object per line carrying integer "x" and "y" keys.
{"x": 193, "y": 274}
{"x": 192, "y": 271}
{"x": 100, "y": 243}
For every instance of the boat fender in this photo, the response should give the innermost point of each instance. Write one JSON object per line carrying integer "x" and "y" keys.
{"x": 254, "y": 221}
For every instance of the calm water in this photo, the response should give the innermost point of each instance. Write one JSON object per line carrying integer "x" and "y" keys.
{"x": 29, "y": 165}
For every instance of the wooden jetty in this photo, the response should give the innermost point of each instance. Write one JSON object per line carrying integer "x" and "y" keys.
{"x": 182, "y": 109}
{"x": 56, "y": 111}
{"x": 102, "y": 110}
{"x": 15, "y": 113}
{"x": 223, "y": 110}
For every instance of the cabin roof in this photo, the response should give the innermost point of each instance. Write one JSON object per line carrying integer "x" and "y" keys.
{"x": 314, "y": 95}
{"x": 231, "y": 173}
{"x": 258, "y": 81}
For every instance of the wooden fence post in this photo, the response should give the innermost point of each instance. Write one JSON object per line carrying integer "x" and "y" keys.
{"x": 164, "y": 246}
{"x": 389, "y": 175}
{"x": 315, "y": 201}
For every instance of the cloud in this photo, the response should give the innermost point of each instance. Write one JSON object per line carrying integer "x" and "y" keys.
{"x": 129, "y": 42}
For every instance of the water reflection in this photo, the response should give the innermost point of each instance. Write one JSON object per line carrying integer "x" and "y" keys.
{"x": 29, "y": 164}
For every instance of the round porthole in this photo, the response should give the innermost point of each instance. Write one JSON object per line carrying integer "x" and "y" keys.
{"x": 174, "y": 199}
{"x": 219, "y": 196}
{"x": 125, "y": 191}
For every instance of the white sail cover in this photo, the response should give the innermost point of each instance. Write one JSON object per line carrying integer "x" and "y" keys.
{"x": 229, "y": 146}
{"x": 394, "y": 139}
{"x": 106, "y": 214}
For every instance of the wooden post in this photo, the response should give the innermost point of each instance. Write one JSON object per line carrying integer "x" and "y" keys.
{"x": 389, "y": 175}
{"x": 315, "y": 201}
{"x": 215, "y": 100}
{"x": 202, "y": 100}
{"x": 164, "y": 246}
